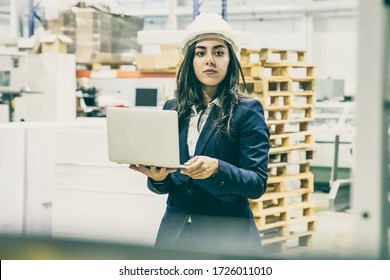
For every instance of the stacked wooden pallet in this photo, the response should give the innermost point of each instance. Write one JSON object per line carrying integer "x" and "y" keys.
{"x": 284, "y": 83}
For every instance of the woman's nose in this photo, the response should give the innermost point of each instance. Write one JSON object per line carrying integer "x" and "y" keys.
{"x": 209, "y": 59}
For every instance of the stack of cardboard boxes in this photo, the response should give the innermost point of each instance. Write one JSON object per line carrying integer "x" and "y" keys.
{"x": 98, "y": 36}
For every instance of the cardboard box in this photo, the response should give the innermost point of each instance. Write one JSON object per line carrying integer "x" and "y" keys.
{"x": 168, "y": 58}
{"x": 95, "y": 30}
{"x": 53, "y": 43}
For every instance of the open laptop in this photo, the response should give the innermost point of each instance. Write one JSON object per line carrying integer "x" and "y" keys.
{"x": 143, "y": 136}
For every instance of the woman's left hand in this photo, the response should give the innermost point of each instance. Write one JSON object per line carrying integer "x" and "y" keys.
{"x": 159, "y": 174}
{"x": 201, "y": 167}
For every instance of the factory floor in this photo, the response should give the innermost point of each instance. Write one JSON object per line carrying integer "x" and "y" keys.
{"x": 334, "y": 233}
{"x": 334, "y": 230}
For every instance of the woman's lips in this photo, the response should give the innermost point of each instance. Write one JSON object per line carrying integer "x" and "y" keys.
{"x": 209, "y": 71}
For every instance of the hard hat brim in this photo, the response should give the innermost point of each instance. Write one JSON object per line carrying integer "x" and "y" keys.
{"x": 189, "y": 39}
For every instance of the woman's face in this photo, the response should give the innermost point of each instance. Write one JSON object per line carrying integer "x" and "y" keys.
{"x": 211, "y": 62}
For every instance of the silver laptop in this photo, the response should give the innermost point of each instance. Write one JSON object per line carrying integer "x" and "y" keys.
{"x": 143, "y": 136}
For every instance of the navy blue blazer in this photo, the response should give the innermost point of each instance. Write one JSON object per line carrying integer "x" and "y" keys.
{"x": 218, "y": 205}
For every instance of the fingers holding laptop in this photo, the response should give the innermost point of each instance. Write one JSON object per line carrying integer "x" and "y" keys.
{"x": 157, "y": 174}
{"x": 198, "y": 167}
{"x": 201, "y": 167}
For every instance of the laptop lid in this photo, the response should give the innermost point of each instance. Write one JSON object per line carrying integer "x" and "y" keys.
{"x": 143, "y": 136}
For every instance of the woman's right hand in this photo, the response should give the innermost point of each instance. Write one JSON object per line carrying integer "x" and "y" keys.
{"x": 156, "y": 174}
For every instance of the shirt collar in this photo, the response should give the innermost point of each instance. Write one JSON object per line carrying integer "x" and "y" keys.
{"x": 216, "y": 101}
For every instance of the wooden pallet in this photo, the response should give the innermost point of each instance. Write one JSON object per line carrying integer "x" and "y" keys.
{"x": 277, "y": 114}
{"x": 271, "y": 55}
{"x": 290, "y": 140}
{"x": 293, "y": 183}
{"x": 285, "y": 168}
{"x": 305, "y": 111}
{"x": 278, "y": 71}
{"x": 284, "y": 216}
{"x": 284, "y": 226}
{"x": 271, "y": 220}
{"x": 285, "y": 126}
{"x": 284, "y": 69}
{"x": 303, "y": 84}
{"x": 284, "y": 113}
{"x": 303, "y": 98}
{"x": 285, "y": 85}
{"x": 285, "y": 219}
{"x": 278, "y": 55}
{"x": 303, "y": 224}
{"x": 278, "y": 201}
{"x": 295, "y": 101}
{"x": 272, "y": 85}
{"x": 254, "y": 70}
{"x": 274, "y": 102}
{"x": 274, "y": 105}
{"x": 286, "y": 100}
{"x": 277, "y": 84}
{"x": 304, "y": 195}
{"x": 282, "y": 244}
{"x": 290, "y": 156}
{"x": 279, "y": 152}
{"x": 248, "y": 56}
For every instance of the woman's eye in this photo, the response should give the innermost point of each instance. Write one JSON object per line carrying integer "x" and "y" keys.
{"x": 219, "y": 53}
{"x": 200, "y": 53}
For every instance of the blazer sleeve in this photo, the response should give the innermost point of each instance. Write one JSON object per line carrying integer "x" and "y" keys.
{"x": 159, "y": 187}
{"x": 249, "y": 179}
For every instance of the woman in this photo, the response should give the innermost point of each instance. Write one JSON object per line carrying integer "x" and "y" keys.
{"x": 224, "y": 144}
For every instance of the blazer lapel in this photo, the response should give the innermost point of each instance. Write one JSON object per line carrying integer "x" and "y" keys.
{"x": 184, "y": 155}
{"x": 183, "y": 131}
{"x": 207, "y": 131}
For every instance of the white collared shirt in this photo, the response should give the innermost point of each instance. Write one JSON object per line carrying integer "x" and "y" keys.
{"x": 197, "y": 122}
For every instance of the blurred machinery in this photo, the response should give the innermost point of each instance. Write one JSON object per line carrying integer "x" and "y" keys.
{"x": 87, "y": 102}
{"x": 333, "y": 128}
{"x": 37, "y": 87}
{"x": 14, "y": 81}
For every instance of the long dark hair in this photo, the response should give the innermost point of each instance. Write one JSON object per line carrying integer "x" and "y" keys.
{"x": 189, "y": 91}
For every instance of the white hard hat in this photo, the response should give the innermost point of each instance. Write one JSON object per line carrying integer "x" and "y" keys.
{"x": 209, "y": 25}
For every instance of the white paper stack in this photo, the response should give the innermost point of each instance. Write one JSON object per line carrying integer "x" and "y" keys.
{"x": 94, "y": 198}
{"x": 26, "y": 177}
{"x": 39, "y": 177}
{"x": 56, "y": 180}
{"x": 12, "y": 176}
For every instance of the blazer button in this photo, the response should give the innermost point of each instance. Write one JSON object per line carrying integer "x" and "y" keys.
{"x": 190, "y": 191}
{"x": 222, "y": 183}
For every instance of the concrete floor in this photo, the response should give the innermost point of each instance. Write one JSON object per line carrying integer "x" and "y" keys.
{"x": 334, "y": 230}
{"x": 333, "y": 237}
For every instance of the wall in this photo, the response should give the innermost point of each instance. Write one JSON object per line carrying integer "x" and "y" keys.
{"x": 335, "y": 49}
{"x": 5, "y": 31}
